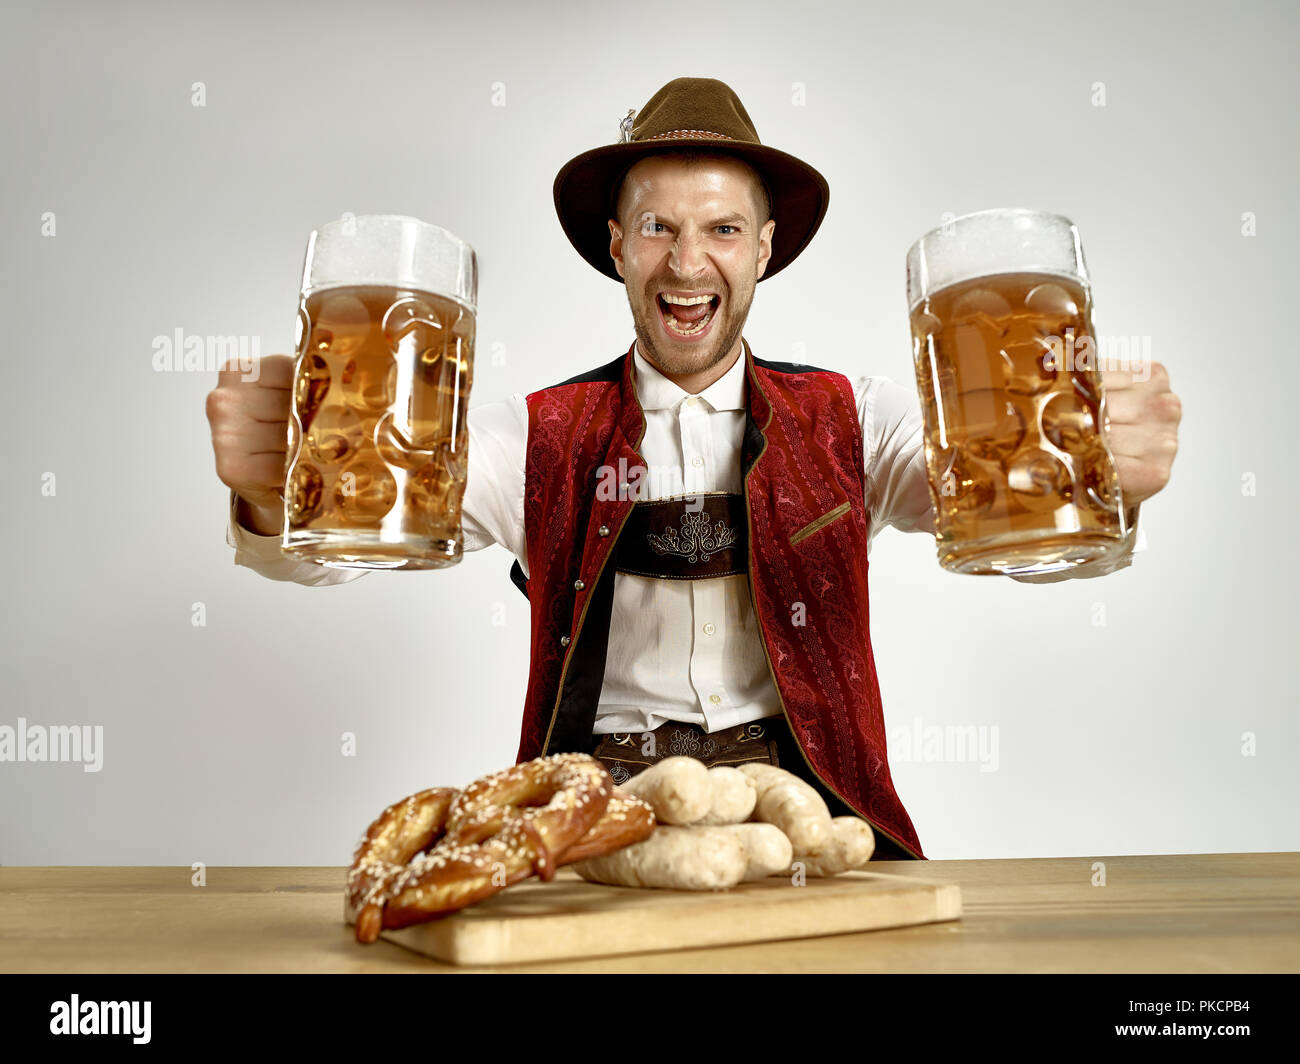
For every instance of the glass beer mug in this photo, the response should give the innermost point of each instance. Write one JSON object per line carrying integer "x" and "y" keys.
{"x": 378, "y": 439}
{"x": 1021, "y": 477}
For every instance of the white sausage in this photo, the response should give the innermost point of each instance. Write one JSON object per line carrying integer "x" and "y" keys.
{"x": 673, "y": 858}
{"x": 733, "y": 797}
{"x": 677, "y": 788}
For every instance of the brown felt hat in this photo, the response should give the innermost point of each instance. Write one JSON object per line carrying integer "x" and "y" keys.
{"x": 688, "y": 113}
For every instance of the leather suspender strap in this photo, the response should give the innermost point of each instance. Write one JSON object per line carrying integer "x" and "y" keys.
{"x": 691, "y": 537}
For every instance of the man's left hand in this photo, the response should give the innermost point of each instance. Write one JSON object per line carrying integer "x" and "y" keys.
{"x": 1143, "y": 430}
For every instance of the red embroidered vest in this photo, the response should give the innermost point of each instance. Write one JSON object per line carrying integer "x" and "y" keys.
{"x": 802, "y": 471}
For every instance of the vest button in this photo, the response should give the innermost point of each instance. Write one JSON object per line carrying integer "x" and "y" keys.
{"x": 578, "y": 585}
{"x": 564, "y": 640}
{"x": 603, "y": 530}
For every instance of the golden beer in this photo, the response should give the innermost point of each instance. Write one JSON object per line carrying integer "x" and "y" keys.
{"x": 1021, "y": 477}
{"x": 378, "y": 433}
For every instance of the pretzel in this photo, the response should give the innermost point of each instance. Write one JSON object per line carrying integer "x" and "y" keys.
{"x": 401, "y": 831}
{"x": 627, "y": 819}
{"x": 572, "y": 791}
{"x": 499, "y": 830}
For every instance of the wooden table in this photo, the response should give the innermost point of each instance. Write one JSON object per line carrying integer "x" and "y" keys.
{"x": 1212, "y": 913}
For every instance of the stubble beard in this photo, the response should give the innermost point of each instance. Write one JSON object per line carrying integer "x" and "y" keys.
{"x": 678, "y": 363}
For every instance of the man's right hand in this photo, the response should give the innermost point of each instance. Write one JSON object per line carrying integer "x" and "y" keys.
{"x": 250, "y": 430}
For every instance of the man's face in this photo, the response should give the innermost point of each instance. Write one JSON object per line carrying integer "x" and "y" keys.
{"x": 688, "y": 230}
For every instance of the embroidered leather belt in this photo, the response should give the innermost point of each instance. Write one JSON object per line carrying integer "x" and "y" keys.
{"x": 629, "y": 754}
{"x": 686, "y": 538}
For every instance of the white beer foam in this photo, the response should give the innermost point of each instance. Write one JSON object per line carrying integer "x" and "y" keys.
{"x": 391, "y": 249}
{"x": 1003, "y": 240}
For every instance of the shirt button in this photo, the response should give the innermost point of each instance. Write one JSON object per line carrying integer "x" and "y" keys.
{"x": 697, "y": 461}
{"x": 715, "y": 698}
{"x": 709, "y": 629}
{"x": 603, "y": 530}
{"x": 564, "y": 640}
{"x": 693, "y": 401}
{"x": 578, "y": 585}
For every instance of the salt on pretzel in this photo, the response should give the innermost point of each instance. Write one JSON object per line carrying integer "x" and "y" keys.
{"x": 575, "y": 788}
{"x": 401, "y": 831}
{"x": 497, "y": 831}
{"x": 627, "y": 819}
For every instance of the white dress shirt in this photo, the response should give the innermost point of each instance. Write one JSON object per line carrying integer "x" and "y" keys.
{"x": 679, "y": 650}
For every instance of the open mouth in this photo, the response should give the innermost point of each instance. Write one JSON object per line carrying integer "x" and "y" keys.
{"x": 687, "y": 316}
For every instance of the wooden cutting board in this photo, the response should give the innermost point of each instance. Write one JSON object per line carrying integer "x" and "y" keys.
{"x": 569, "y": 917}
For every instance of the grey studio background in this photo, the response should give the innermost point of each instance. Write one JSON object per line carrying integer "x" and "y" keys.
{"x": 222, "y": 742}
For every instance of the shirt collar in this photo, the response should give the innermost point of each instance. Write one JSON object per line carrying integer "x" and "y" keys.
{"x": 657, "y": 392}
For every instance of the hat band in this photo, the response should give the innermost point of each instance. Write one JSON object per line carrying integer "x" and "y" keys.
{"x": 688, "y": 134}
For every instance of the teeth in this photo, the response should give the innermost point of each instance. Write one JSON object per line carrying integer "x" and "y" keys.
{"x": 685, "y": 301}
{"x": 690, "y": 330}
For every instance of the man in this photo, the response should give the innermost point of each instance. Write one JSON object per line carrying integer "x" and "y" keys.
{"x": 690, "y": 522}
